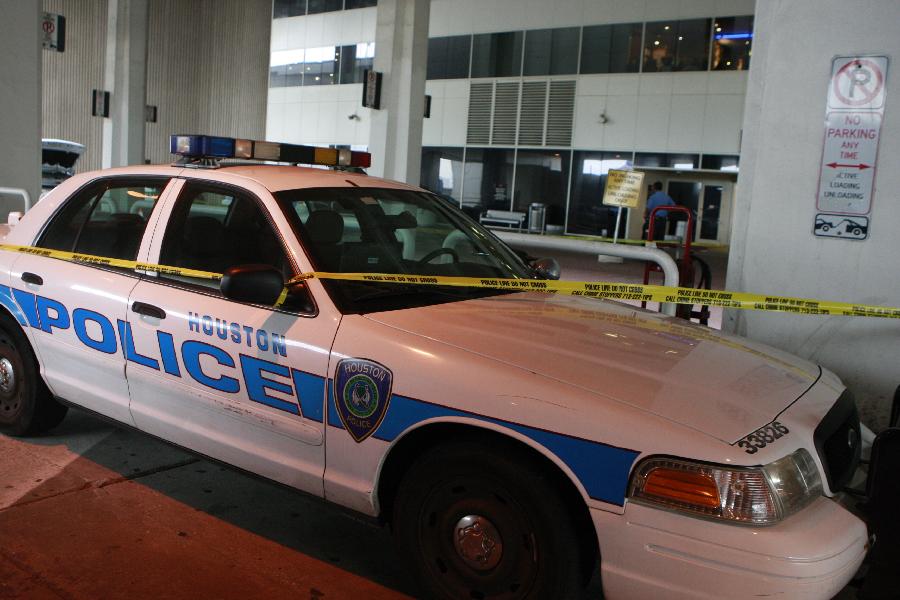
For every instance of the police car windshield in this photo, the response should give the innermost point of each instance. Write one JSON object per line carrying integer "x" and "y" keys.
{"x": 379, "y": 230}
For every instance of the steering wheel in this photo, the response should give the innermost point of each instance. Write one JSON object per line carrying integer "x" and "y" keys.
{"x": 437, "y": 252}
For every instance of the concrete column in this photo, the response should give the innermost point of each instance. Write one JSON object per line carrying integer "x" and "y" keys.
{"x": 401, "y": 54}
{"x": 20, "y": 95}
{"x": 125, "y": 77}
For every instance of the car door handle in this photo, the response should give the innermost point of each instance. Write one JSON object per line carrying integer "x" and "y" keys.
{"x": 148, "y": 310}
{"x": 32, "y": 278}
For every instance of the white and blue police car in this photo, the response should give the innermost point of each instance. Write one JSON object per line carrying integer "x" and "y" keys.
{"x": 515, "y": 441}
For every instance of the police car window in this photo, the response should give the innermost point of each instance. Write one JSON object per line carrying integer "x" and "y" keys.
{"x": 392, "y": 231}
{"x": 107, "y": 220}
{"x": 214, "y": 229}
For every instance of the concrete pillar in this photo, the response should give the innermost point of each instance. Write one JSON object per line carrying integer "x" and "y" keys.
{"x": 401, "y": 54}
{"x": 125, "y": 77}
{"x": 20, "y": 95}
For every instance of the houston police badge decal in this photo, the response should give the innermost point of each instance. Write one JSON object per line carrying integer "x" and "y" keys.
{"x": 362, "y": 392}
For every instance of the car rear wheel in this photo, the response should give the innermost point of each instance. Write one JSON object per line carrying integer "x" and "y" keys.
{"x": 480, "y": 524}
{"x": 26, "y": 405}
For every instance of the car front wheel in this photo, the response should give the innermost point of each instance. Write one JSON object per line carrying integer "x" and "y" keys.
{"x": 26, "y": 405}
{"x": 478, "y": 523}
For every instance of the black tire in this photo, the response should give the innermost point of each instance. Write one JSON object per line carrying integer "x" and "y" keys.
{"x": 26, "y": 405}
{"x": 539, "y": 550}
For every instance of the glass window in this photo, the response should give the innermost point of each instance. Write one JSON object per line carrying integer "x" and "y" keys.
{"x": 320, "y": 65}
{"x": 288, "y": 8}
{"x": 355, "y": 59}
{"x": 721, "y": 162}
{"x": 542, "y": 176}
{"x": 378, "y": 230}
{"x": 350, "y": 4}
{"x": 320, "y": 6}
{"x": 497, "y": 54}
{"x": 105, "y": 220}
{"x": 488, "y": 174}
{"x": 212, "y": 229}
{"x": 667, "y": 160}
{"x": 611, "y": 48}
{"x": 677, "y": 45}
{"x": 551, "y": 51}
{"x": 442, "y": 171}
{"x": 286, "y": 76}
{"x": 448, "y": 57}
{"x": 732, "y": 37}
{"x": 587, "y": 213}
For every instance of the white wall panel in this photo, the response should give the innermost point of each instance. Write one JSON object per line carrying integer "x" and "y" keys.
{"x": 690, "y": 82}
{"x": 652, "y": 126}
{"x": 589, "y": 134}
{"x": 720, "y": 134}
{"x": 686, "y": 123}
{"x": 68, "y": 78}
{"x": 619, "y": 131}
{"x": 656, "y": 84}
{"x": 727, "y": 82}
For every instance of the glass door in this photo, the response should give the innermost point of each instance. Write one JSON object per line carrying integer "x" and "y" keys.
{"x": 709, "y": 202}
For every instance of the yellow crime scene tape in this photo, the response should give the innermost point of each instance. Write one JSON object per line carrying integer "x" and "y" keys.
{"x": 610, "y": 291}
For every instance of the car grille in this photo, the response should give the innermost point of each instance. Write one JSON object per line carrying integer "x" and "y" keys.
{"x": 838, "y": 441}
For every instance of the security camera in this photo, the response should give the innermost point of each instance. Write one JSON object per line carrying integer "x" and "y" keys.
{"x": 353, "y": 117}
{"x": 603, "y": 118}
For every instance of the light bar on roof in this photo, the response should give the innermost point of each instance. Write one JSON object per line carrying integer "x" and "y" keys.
{"x": 207, "y": 146}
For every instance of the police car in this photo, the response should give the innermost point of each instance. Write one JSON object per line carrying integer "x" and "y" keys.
{"x": 515, "y": 441}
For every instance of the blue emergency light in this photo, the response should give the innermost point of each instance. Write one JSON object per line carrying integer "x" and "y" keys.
{"x": 199, "y": 147}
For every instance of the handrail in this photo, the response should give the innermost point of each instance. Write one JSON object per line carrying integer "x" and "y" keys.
{"x": 26, "y": 199}
{"x": 660, "y": 257}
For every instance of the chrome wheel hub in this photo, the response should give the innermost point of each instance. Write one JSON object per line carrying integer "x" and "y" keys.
{"x": 7, "y": 376}
{"x": 478, "y": 542}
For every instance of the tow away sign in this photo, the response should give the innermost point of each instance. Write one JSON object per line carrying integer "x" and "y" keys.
{"x": 853, "y": 116}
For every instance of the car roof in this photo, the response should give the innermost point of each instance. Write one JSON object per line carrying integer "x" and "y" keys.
{"x": 275, "y": 178}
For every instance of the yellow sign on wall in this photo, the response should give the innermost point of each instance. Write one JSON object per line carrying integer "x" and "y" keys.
{"x": 623, "y": 188}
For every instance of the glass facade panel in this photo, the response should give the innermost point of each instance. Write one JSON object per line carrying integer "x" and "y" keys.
{"x": 285, "y": 76}
{"x": 320, "y": 65}
{"x": 442, "y": 172}
{"x": 288, "y": 8}
{"x": 721, "y": 162}
{"x": 448, "y": 57}
{"x": 320, "y": 6}
{"x": 666, "y": 160}
{"x": 543, "y": 176}
{"x": 611, "y": 48}
{"x": 677, "y": 45}
{"x": 497, "y": 54}
{"x": 350, "y": 4}
{"x": 488, "y": 179}
{"x": 551, "y": 51}
{"x": 732, "y": 37}
{"x": 355, "y": 59}
{"x": 587, "y": 214}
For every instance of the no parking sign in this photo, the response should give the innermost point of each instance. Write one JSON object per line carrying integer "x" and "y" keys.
{"x": 853, "y": 116}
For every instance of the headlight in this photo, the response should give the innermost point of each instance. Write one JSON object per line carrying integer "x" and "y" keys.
{"x": 753, "y": 495}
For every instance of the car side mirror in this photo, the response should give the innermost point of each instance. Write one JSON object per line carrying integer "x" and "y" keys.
{"x": 546, "y": 268}
{"x": 256, "y": 284}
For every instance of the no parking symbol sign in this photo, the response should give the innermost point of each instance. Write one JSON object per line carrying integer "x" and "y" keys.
{"x": 853, "y": 116}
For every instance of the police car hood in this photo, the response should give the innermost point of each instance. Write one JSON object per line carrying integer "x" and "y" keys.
{"x": 722, "y": 385}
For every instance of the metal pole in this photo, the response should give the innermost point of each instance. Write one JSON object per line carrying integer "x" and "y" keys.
{"x": 618, "y": 220}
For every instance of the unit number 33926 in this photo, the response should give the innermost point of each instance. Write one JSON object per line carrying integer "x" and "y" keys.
{"x": 762, "y": 437}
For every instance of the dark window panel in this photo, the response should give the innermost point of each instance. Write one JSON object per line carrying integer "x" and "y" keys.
{"x": 677, "y": 45}
{"x": 551, "y": 51}
{"x": 587, "y": 213}
{"x": 497, "y": 54}
{"x": 732, "y": 43}
{"x": 286, "y": 76}
{"x": 542, "y": 176}
{"x": 721, "y": 162}
{"x": 321, "y": 65}
{"x": 349, "y": 4}
{"x": 611, "y": 48}
{"x": 320, "y": 6}
{"x": 354, "y": 60}
{"x": 488, "y": 174}
{"x": 448, "y": 57}
{"x": 442, "y": 172}
{"x": 288, "y": 8}
{"x": 666, "y": 160}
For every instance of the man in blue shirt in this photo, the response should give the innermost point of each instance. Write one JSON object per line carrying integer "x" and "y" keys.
{"x": 656, "y": 199}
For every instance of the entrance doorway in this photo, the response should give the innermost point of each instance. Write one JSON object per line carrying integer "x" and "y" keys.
{"x": 710, "y": 201}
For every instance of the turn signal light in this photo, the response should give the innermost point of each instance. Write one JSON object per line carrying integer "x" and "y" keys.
{"x": 697, "y": 489}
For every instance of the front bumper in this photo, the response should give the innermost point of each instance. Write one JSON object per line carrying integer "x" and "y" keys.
{"x": 653, "y": 553}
